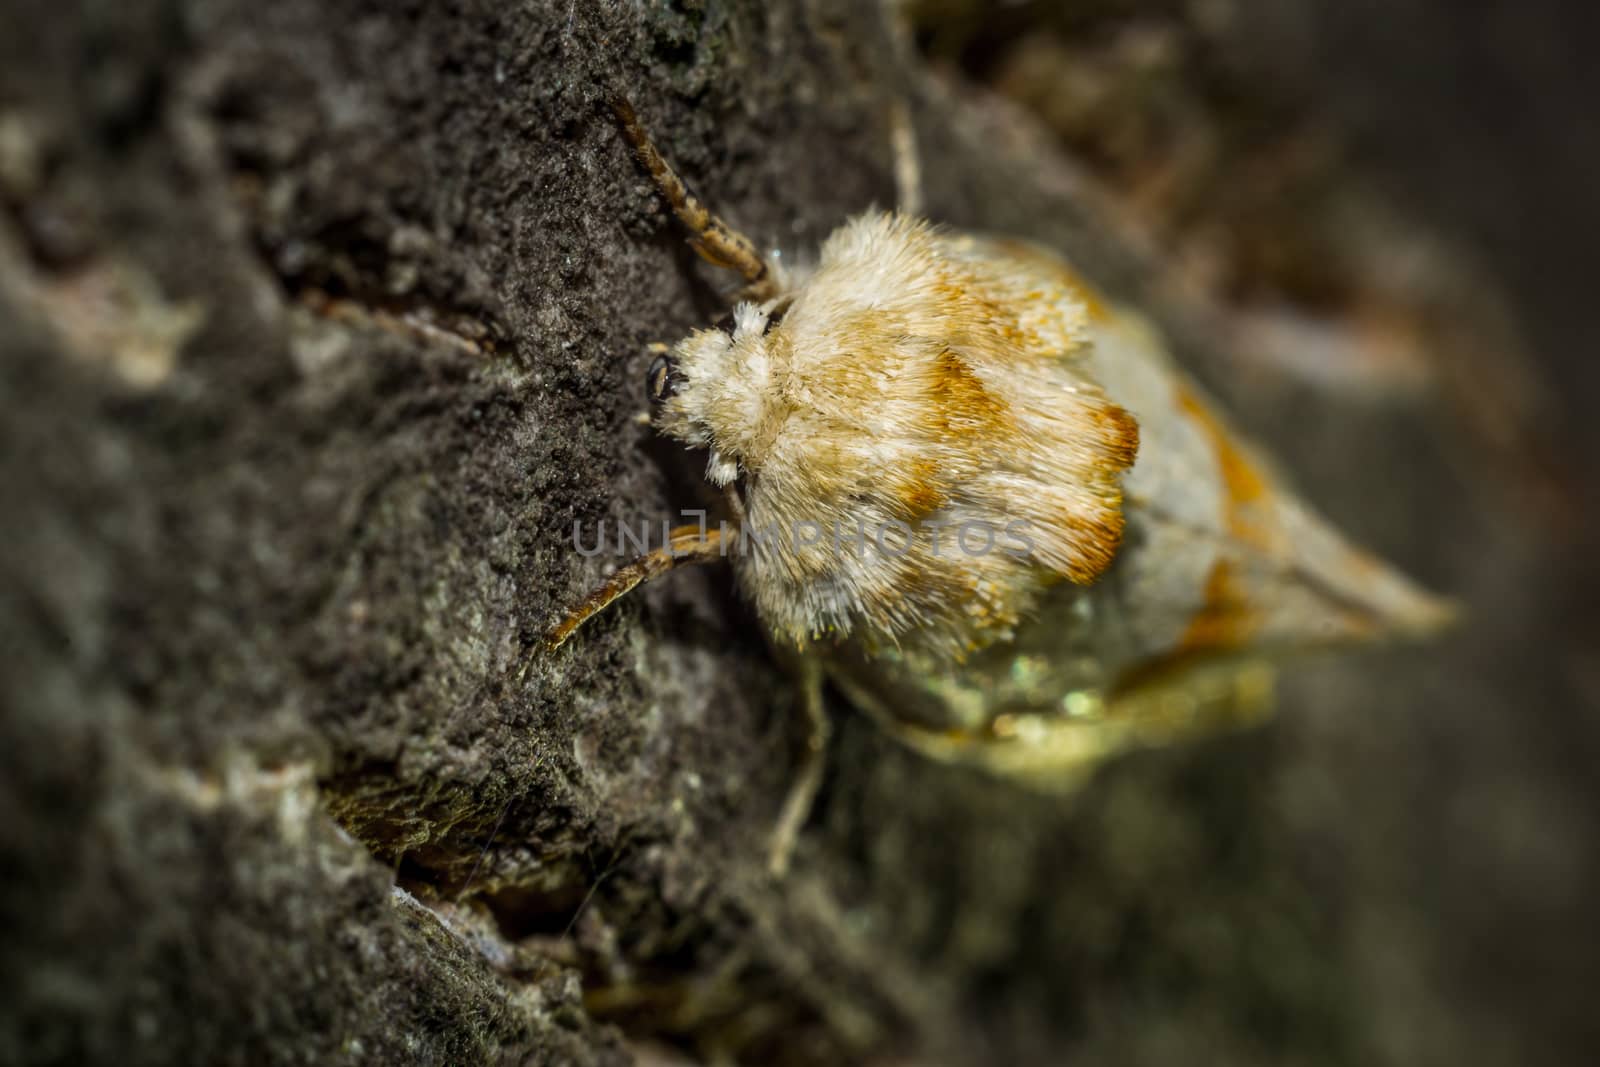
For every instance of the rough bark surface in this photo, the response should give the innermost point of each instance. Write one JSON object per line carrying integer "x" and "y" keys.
{"x": 323, "y": 324}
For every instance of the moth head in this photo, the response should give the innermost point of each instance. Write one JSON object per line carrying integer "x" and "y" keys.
{"x": 713, "y": 389}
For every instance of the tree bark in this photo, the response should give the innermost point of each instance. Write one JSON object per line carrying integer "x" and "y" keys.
{"x": 324, "y": 325}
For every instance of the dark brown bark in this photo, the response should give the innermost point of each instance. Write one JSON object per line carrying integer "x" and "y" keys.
{"x": 285, "y": 512}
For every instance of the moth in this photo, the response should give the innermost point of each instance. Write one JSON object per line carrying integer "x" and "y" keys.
{"x": 986, "y": 505}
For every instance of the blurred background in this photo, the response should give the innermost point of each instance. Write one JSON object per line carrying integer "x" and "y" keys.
{"x": 320, "y": 325}
{"x": 1390, "y": 208}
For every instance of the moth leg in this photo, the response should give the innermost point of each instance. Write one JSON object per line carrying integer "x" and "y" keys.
{"x": 716, "y": 241}
{"x": 1056, "y": 757}
{"x": 907, "y": 161}
{"x": 685, "y": 545}
{"x": 803, "y": 789}
{"x": 1057, "y": 753}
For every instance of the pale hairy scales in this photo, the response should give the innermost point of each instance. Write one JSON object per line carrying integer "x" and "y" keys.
{"x": 912, "y": 379}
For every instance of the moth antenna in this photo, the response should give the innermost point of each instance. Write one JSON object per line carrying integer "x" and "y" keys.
{"x": 907, "y": 160}
{"x": 716, "y": 241}
{"x": 685, "y": 545}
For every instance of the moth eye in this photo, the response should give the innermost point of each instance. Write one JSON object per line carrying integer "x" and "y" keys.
{"x": 772, "y": 321}
{"x": 725, "y": 324}
{"x": 661, "y": 380}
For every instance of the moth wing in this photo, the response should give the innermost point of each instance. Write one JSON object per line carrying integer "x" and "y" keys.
{"x": 1223, "y": 569}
